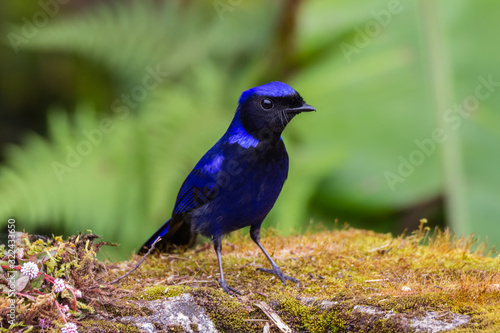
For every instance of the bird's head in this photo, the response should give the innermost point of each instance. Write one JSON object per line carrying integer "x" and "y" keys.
{"x": 270, "y": 107}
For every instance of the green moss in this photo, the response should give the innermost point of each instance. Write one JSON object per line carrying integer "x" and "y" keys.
{"x": 107, "y": 326}
{"x": 385, "y": 326}
{"x": 126, "y": 308}
{"x": 85, "y": 307}
{"x": 161, "y": 291}
{"x": 360, "y": 321}
{"x": 310, "y": 318}
{"x": 486, "y": 322}
{"x": 226, "y": 312}
{"x": 175, "y": 329}
{"x": 416, "y": 304}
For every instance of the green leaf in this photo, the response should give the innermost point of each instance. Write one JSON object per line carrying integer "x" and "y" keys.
{"x": 46, "y": 255}
{"x": 38, "y": 281}
{"x": 22, "y": 282}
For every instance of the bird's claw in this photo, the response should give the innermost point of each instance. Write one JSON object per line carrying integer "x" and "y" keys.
{"x": 227, "y": 289}
{"x": 279, "y": 274}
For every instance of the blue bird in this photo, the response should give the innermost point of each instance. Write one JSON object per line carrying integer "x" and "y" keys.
{"x": 236, "y": 183}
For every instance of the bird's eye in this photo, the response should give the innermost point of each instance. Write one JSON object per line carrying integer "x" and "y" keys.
{"x": 267, "y": 104}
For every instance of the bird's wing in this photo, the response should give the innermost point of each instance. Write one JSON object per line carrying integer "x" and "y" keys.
{"x": 193, "y": 192}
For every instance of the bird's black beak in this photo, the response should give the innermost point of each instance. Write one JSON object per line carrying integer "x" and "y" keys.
{"x": 302, "y": 108}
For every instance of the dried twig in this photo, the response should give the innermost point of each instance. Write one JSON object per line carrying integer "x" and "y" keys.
{"x": 138, "y": 264}
{"x": 275, "y": 318}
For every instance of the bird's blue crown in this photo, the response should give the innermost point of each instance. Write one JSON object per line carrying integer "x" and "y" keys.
{"x": 271, "y": 89}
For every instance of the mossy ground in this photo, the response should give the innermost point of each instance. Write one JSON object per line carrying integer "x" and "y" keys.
{"x": 348, "y": 267}
{"x": 98, "y": 326}
{"x": 407, "y": 275}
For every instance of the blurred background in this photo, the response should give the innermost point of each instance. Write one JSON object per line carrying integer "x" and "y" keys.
{"x": 106, "y": 106}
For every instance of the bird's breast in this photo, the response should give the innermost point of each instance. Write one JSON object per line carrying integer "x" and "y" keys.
{"x": 246, "y": 184}
{"x": 261, "y": 179}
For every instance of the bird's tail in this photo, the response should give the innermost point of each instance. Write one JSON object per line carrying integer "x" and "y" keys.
{"x": 159, "y": 233}
{"x": 172, "y": 234}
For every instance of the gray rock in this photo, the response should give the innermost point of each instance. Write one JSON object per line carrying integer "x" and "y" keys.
{"x": 175, "y": 311}
{"x": 432, "y": 322}
{"x": 438, "y": 322}
{"x": 182, "y": 311}
{"x": 146, "y": 327}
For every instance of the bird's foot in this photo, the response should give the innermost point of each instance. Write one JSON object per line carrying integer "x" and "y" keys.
{"x": 227, "y": 289}
{"x": 279, "y": 274}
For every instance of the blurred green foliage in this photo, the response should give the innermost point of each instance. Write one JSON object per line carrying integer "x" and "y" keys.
{"x": 157, "y": 83}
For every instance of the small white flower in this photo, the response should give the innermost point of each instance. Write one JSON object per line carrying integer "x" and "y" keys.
{"x": 59, "y": 285}
{"x": 64, "y": 308}
{"x": 30, "y": 269}
{"x": 405, "y": 288}
{"x": 69, "y": 328}
{"x": 20, "y": 253}
{"x": 78, "y": 293}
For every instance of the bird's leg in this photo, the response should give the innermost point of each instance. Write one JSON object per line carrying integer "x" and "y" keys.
{"x": 222, "y": 281}
{"x": 255, "y": 235}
